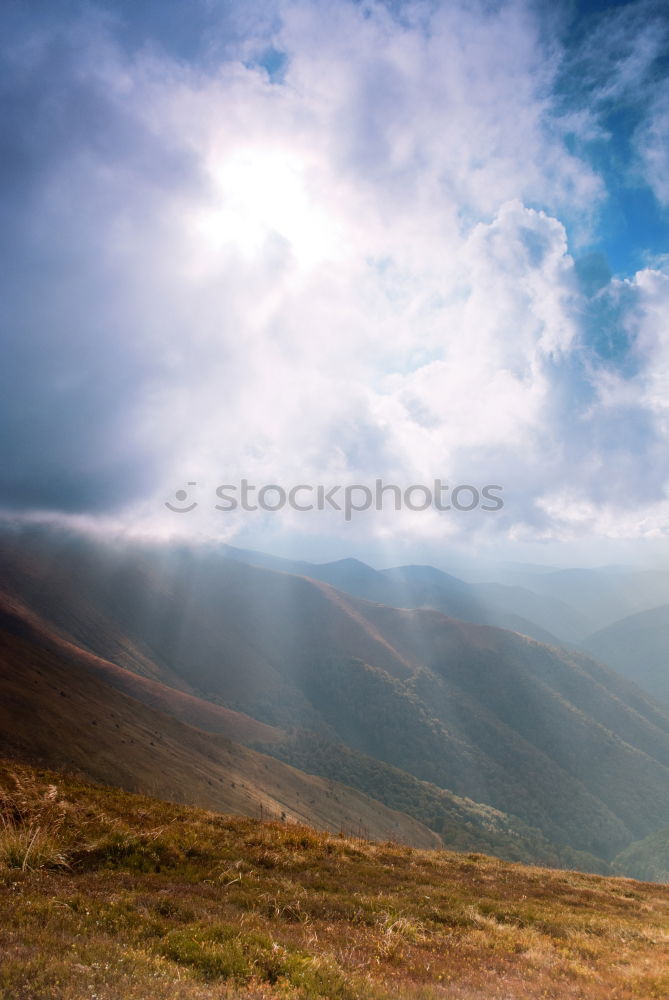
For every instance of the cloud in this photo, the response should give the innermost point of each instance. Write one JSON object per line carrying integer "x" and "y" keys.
{"x": 617, "y": 58}
{"x": 356, "y": 267}
{"x": 615, "y": 83}
{"x": 652, "y": 146}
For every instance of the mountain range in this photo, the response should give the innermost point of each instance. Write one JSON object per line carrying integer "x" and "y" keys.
{"x": 237, "y": 682}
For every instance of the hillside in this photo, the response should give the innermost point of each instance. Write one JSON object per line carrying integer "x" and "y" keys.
{"x": 19, "y": 620}
{"x": 638, "y": 648}
{"x": 461, "y": 823}
{"x": 54, "y": 711}
{"x": 536, "y": 732}
{"x": 123, "y": 896}
{"x": 646, "y": 859}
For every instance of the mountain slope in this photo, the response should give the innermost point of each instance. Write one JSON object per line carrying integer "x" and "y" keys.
{"x": 460, "y": 823}
{"x": 56, "y": 712}
{"x": 646, "y": 859}
{"x": 638, "y": 648}
{"x": 536, "y": 732}
{"x": 18, "y": 620}
{"x": 483, "y": 604}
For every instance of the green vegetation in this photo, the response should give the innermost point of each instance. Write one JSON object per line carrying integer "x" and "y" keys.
{"x": 137, "y": 898}
{"x": 646, "y": 859}
{"x": 463, "y": 825}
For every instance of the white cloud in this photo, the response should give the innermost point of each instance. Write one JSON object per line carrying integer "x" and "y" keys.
{"x": 652, "y": 146}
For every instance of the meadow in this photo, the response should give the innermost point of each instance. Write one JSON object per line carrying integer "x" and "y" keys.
{"x": 106, "y": 895}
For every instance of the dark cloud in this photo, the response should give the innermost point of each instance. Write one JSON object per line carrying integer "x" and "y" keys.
{"x": 194, "y": 31}
{"x": 77, "y": 161}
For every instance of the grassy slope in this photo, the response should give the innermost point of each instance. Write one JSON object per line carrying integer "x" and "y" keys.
{"x": 122, "y": 896}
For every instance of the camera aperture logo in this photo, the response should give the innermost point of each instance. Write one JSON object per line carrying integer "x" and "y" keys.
{"x": 348, "y": 499}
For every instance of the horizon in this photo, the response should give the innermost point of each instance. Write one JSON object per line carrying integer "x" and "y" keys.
{"x": 458, "y": 561}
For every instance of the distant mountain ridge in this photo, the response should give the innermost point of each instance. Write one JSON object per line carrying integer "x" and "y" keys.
{"x": 638, "y": 648}
{"x": 554, "y": 606}
{"x": 601, "y": 596}
{"x": 424, "y": 587}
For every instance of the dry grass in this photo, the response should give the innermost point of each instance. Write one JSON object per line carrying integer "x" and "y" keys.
{"x": 104, "y": 896}
{"x": 31, "y": 819}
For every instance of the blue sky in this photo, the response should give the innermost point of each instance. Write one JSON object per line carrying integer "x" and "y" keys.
{"x": 334, "y": 242}
{"x": 633, "y": 225}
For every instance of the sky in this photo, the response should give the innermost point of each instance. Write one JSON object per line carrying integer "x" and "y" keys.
{"x": 330, "y": 243}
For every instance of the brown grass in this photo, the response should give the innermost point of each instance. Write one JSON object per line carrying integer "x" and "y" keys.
{"x": 125, "y": 897}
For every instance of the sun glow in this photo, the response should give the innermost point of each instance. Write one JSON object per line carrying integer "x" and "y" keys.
{"x": 262, "y": 195}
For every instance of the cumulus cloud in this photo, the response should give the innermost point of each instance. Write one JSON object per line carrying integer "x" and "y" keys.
{"x": 314, "y": 243}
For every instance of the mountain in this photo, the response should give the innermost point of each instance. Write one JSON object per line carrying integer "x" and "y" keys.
{"x": 555, "y": 621}
{"x": 458, "y": 822}
{"x": 638, "y": 648}
{"x": 536, "y": 732}
{"x": 646, "y": 859}
{"x": 18, "y": 620}
{"x": 427, "y": 587}
{"x": 599, "y": 596}
{"x": 56, "y": 711}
